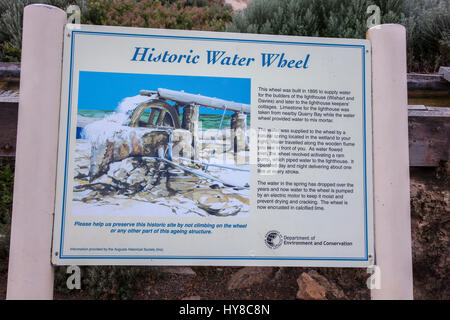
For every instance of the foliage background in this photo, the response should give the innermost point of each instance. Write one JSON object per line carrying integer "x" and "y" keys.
{"x": 427, "y": 21}
{"x": 209, "y": 15}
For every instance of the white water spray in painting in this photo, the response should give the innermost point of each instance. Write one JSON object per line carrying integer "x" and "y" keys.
{"x": 114, "y": 127}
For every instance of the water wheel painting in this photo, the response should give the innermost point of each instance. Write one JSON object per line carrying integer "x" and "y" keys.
{"x": 155, "y": 113}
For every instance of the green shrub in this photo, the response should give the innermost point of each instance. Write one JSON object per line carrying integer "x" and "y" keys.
{"x": 11, "y": 16}
{"x": 108, "y": 282}
{"x": 427, "y": 23}
{"x": 330, "y": 18}
{"x": 6, "y": 198}
{"x": 6, "y": 190}
{"x": 170, "y": 14}
{"x": 9, "y": 53}
{"x": 182, "y": 14}
{"x": 428, "y": 26}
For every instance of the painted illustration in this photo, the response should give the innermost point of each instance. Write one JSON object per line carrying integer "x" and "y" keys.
{"x": 163, "y": 151}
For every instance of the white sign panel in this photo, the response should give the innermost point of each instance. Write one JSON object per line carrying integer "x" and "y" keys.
{"x": 204, "y": 148}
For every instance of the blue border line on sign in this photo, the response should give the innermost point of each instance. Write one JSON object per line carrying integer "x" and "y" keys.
{"x": 61, "y": 242}
{"x": 364, "y": 151}
{"x": 74, "y": 32}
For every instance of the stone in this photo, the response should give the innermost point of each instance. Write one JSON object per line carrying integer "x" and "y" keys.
{"x": 81, "y": 195}
{"x": 156, "y": 190}
{"x": 279, "y": 273}
{"x": 137, "y": 177}
{"x": 192, "y": 298}
{"x": 248, "y": 277}
{"x": 92, "y": 192}
{"x": 120, "y": 170}
{"x": 151, "y": 142}
{"x": 187, "y": 271}
{"x": 128, "y": 142}
{"x": 105, "y": 179}
{"x": 82, "y": 156}
{"x": 313, "y": 286}
{"x": 122, "y": 151}
{"x": 101, "y": 156}
{"x": 216, "y": 203}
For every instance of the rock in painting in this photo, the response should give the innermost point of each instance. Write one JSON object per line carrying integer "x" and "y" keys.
{"x": 82, "y": 159}
{"x": 217, "y": 203}
{"x": 128, "y": 142}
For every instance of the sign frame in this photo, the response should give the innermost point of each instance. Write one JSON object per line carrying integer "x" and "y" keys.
{"x": 60, "y": 256}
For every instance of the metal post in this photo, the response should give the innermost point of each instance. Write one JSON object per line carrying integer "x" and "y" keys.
{"x": 30, "y": 274}
{"x": 391, "y": 162}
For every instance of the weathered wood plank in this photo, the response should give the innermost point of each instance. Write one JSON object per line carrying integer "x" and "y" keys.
{"x": 9, "y": 70}
{"x": 8, "y": 128}
{"x": 428, "y": 82}
{"x": 9, "y": 97}
{"x": 429, "y": 131}
{"x": 445, "y": 72}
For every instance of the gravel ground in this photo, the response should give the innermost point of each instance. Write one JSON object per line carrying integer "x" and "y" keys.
{"x": 430, "y": 220}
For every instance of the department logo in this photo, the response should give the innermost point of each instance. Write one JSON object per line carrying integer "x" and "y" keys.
{"x": 273, "y": 239}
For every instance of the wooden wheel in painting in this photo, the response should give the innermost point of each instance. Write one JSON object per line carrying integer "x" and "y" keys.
{"x": 155, "y": 113}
